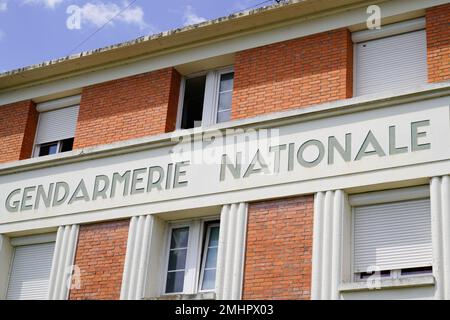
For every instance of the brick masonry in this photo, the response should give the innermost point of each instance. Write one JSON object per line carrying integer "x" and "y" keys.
{"x": 279, "y": 249}
{"x": 438, "y": 43}
{"x": 293, "y": 74}
{"x": 18, "y": 122}
{"x": 100, "y": 256}
{"x": 132, "y": 107}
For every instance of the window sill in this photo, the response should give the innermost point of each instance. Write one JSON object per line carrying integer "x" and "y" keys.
{"x": 195, "y": 296}
{"x": 417, "y": 281}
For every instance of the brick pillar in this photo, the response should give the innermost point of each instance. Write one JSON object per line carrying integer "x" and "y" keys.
{"x": 127, "y": 108}
{"x": 279, "y": 249}
{"x": 293, "y": 74}
{"x": 18, "y": 123}
{"x": 438, "y": 43}
{"x": 100, "y": 256}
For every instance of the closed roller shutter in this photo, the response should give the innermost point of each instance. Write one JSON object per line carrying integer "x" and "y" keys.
{"x": 393, "y": 235}
{"x": 30, "y": 272}
{"x": 57, "y": 125}
{"x": 391, "y": 63}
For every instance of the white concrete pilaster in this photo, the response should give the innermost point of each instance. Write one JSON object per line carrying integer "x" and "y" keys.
{"x": 230, "y": 258}
{"x": 62, "y": 265}
{"x": 327, "y": 244}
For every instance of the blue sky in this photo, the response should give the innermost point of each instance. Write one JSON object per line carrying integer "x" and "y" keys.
{"x": 33, "y": 31}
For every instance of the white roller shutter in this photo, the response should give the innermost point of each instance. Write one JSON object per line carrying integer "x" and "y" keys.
{"x": 57, "y": 124}
{"x": 393, "y": 235}
{"x": 391, "y": 63}
{"x": 30, "y": 272}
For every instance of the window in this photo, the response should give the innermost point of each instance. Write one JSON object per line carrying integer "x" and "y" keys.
{"x": 56, "y": 126}
{"x": 209, "y": 263}
{"x": 194, "y": 94}
{"x": 392, "y": 239}
{"x": 395, "y": 57}
{"x": 177, "y": 259}
{"x": 206, "y": 99}
{"x": 55, "y": 147}
{"x": 225, "y": 95}
{"x": 30, "y": 268}
{"x": 192, "y": 257}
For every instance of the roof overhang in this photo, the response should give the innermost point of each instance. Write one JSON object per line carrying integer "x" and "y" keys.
{"x": 174, "y": 40}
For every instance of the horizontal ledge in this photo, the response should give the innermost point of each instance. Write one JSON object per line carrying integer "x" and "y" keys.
{"x": 417, "y": 281}
{"x": 194, "y": 296}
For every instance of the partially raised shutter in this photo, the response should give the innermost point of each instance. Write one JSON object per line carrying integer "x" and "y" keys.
{"x": 30, "y": 272}
{"x": 392, "y": 236}
{"x": 391, "y": 63}
{"x": 57, "y": 124}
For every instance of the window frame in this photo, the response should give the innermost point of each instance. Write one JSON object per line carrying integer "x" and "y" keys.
{"x": 191, "y": 284}
{"x": 211, "y": 97}
{"x": 383, "y": 197}
{"x": 42, "y": 107}
{"x": 37, "y": 149}
{"x": 388, "y": 30}
{"x": 205, "y": 253}
{"x": 167, "y": 255}
{"x": 28, "y": 240}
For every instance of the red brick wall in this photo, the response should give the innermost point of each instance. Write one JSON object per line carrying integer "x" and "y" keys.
{"x": 279, "y": 249}
{"x": 132, "y": 107}
{"x": 18, "y": 123}
{"x": 292, "y": 74}
{"x": 438, "y": 43}
{"x": 100, "y": 256}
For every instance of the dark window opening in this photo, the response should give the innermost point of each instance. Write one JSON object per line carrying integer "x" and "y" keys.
{"x": 67, "y": 145}
{"x": 383, "y": 273}
{"x": 418, "y": 270}
{"x": 194, "y": 94}
{"x": 48, "y": 148}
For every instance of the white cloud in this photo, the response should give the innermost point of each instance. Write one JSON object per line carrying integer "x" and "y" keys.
{"x": 3, "y": 5}
{"x": 100, "y": 13}
{"x": 190, "y": 17}
{"x": 50, "y": 4}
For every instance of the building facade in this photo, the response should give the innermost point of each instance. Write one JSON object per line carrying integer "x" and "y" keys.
{"x": 289, "y": 152}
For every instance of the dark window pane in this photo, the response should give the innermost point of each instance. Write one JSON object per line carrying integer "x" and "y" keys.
{"x": 177, "y": 259}
{"x": 175, "y": 282}
{"x": 418, "y": 270}
{"x": 67, "y": 145}
{"x": 214, "y": 237}
{"x": 48, "y": 148}
{"x": 383, "y": 273}
{"x": 209, "y": 279}
{"x": 179, "y": 238}
{"x": 194, "y": 94}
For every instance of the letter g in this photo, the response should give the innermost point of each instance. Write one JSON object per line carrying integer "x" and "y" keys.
{"x": 14, "y": 205}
